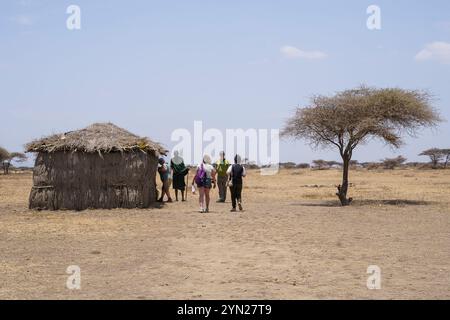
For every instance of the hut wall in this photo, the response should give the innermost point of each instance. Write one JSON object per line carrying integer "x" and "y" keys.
{"x": 78, "y": 181}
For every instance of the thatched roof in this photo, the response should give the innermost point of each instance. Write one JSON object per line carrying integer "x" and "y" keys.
{"x": 97, "y": 138}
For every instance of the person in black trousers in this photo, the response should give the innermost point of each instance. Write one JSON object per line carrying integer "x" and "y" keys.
{"x": 236, "y": 172}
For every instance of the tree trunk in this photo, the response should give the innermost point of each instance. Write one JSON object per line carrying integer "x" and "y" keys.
{"x": 343, "y": 188}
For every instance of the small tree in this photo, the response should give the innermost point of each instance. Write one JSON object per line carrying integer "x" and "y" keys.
{"x": 435, "y": 156}
{"x": 392, "y": 163}
{"x": 352, "y": 117}
{"x": 4, "y": 154}
{"x": 6, "y": 158}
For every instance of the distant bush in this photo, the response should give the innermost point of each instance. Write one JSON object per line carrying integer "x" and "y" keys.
{"x": 287, "y": 165}
{"x": 392, "y": 163}
{"x": 334, "y": 164}
{"x": 371, "y": 165}
{"x": 425, "y": 166}
{"x": 413, "y": 164}
{"x": 355, "y": 164}
{"x": 321, "y": 164}
{"x": 303, "y": 166}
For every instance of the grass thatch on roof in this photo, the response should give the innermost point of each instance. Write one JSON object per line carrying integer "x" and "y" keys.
{"x": 97, "y": 138}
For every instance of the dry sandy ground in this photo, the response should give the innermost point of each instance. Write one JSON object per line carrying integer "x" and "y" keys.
{"x": 292, "y": 242}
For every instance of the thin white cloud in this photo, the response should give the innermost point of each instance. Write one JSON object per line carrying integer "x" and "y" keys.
{"x": 23, "y": 20}
{"x": 291, "y": 52}
{"x": 437, "y": 51}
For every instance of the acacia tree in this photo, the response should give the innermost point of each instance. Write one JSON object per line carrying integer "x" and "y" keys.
{"x": 434, "y": 154}
{"x": 6, "y": 158}
{"x": 4, "y": 154}
{"x": 352, "y": 117}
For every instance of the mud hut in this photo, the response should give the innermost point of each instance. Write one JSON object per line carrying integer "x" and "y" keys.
{"x": 101, "y": 166}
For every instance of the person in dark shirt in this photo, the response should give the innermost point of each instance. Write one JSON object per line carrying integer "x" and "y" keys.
{"x": 179, "y": 171}
{"x": 236, "y": 173}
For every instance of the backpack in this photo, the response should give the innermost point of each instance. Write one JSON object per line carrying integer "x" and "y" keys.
{"x": 200, "y": 177}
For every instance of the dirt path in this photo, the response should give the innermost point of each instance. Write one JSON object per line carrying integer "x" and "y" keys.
{"x": 298, "y": 247}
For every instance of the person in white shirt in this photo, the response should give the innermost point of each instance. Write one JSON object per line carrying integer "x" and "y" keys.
{"x": 205, "y": 178}
{"x": 236, "y": 173}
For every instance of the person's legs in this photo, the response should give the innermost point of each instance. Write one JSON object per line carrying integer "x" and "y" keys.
{"x": 219, "y": 187}
{"x": 233, "y": 198}
{"x": 238, "y": 192}
{"x": 207, "y": 198}
{"x": 163, "y": 192}
{"x": 167, "y": 190}
{"x": 222, "y": 185}
{"x": 225, "y": 189}
{"x": 201, "y": 196}
{"x": 176, "y": 194}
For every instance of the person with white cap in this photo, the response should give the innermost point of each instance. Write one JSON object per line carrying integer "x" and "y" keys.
{"x": 205, "y": 178}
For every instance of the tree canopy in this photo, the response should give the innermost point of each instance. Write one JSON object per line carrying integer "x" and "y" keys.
{"x": 353, "y": 116}
{"x": 4, "y": 154}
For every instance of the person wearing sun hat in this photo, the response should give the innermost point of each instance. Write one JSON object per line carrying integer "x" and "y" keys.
{"x": 205, "y": 178}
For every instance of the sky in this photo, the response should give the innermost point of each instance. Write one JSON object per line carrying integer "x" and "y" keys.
{"x": 156, "y": 66}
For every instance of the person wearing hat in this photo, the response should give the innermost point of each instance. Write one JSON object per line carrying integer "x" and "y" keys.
{"x": 164, "y": 174}
{"x": 205, "y": 178}
{"x": 222, "y": 166}
{"x": 179, "y": 171}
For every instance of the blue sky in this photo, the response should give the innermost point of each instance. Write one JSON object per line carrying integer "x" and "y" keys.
{"x": 155, "y": 66}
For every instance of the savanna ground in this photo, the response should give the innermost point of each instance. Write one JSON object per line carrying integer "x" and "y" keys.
{"x": 292, "y": 242}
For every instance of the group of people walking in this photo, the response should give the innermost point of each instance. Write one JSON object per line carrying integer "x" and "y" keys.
{"x": 207, "y": 176}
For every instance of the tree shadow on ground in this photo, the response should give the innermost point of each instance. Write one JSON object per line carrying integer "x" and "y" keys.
{"x": 357, "y": 203}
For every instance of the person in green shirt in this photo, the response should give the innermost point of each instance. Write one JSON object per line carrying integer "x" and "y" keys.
{"x": 221, "y": 168}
